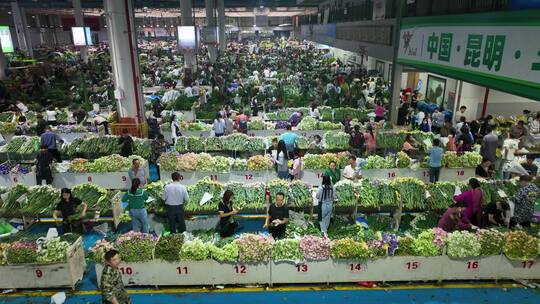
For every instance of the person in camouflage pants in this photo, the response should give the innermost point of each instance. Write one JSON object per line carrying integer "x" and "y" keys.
{"x": 112, "y": 287}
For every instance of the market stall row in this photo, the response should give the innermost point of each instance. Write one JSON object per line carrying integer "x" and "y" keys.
{"x": 408, "y": 193}
{"x": 432, "y": 255}
{"x": 110, "y": 172}
{"x": 26, "y": 147}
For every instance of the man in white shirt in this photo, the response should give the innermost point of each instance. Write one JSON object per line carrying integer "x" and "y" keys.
{"x": 175, "y": 196}
{"x": 350, "y": 172}
{"x": 460, "y": 124}
{"x": 365, "y": 93}
{"x": 534, "y": 132}
{"x": 460, "y": 113}
{"x": 21, "y": 106}
{"x": 196, "y": 89}
{"x": 99, "y": 120}
{"x": 188, "y": 91}
{"x": 510, "y": 147}
{"x": 420, "y": 117}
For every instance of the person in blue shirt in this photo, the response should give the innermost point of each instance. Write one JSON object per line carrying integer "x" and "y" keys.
{"x": 435, "y": 161}
{"x": 295, "y": 118}
{"x": 425, "y": 127}
{"x": 290, "y": 139}
{"x": 49, "y": 139}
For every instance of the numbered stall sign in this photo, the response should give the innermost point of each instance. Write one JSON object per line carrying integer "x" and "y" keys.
{"x": 126, "y": 270}
{"x": 124, "y": 178}
{"x": 182, "y": 270}
{"x": 460, "y": 173}
{"x": 249, "y": 177}
{"x": 356, "y": 267}
{"x": 39, "y": 273}
{"x": 391, "y": 174}
{"x": 412, "y": 266}
{"x": 473, "y": 265}
{"x": 527, "y": 264}
{"x": 303, "y": 268}
{"x": 240, "y": 269}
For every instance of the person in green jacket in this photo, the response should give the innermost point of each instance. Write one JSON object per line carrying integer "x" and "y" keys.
{"x": 136, "y": 198}
{"x": 333, "y": 173}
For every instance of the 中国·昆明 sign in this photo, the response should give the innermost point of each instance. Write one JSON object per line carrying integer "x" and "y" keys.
{"x": 502, "y": 56}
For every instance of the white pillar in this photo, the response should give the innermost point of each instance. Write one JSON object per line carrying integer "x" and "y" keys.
{"x": 124, "y": 58}
{"x": 79, "y": 21}
{"x": 21, "y": 29}
{"x": 52, "y": 30}
{"x": 186, "y": 8}
{"x": 3, "y": 64}
{"x": 221, "y": 25}
{"x": 40, "y": 30}
{"x": 210, "y": 22}
{"x": 396, "y": 89}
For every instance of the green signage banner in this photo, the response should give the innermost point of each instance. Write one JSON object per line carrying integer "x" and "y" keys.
{"x": 5, "y": 39}
{"x": 502, "y": 52}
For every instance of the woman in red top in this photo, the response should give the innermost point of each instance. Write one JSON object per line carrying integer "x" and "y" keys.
{"x": 473, "y": 198}
{"x": 454, "y": 219}
{"x": 451, "y": 145}
{"x": 371, "y": 145}
{"x": 379, "y": 112}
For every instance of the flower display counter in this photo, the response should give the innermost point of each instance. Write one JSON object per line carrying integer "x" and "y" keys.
{"x": 54, "y": 275}
{"x": 186, "y": 178}
{"x": 72, "y": 136}
{"x": 241, "y": 273}
{"x": 207, "y": 272}
{"x": 12, "y": 179}
{"x": 389, "y": 269}
{"x": 301, "y": 272}
{"x": 314, "y": 177}
{"x": 109, "y": 180}
{"x": 248, "y": 177}
{"x": 447, "y": 174}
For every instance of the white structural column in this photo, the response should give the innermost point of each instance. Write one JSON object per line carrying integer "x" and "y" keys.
{"x": 52, "y": 30}
{"x": 210, "y": 23}
{"x": 221, "y": 25}
{"x": 3, "y": 64}
{"x": 396, "y": 89}
{"x": 186, "y": 8}
{"x": 40, "y": 30}
{"x": 124, "y": 58}
{"x": 79, "y": 21}
{"x": 21, "y": 29}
